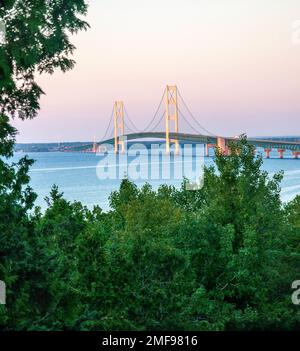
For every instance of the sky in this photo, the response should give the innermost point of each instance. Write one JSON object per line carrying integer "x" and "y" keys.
{"x": 236, "y": 63}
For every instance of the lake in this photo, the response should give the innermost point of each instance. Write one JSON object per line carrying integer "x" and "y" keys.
{"x": 77, "y": 177}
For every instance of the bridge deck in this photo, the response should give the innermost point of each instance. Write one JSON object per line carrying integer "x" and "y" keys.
{"x": 201, "y": 139}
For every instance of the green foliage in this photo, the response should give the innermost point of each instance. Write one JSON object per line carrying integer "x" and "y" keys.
{"x": 36, "y": 41}
{"x": 33, "y": 269}
{"x": 219, "y": 258}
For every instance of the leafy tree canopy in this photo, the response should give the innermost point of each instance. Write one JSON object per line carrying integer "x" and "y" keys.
{"x": 36, "y": 41}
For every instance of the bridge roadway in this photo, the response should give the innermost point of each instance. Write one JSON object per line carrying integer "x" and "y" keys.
{"x": 200, "y": 139}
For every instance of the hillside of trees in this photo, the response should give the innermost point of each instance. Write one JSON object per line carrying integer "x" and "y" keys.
{"x": 220, "y": 258}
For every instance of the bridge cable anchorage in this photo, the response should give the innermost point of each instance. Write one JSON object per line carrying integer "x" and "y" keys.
{"x": 135, "y": 129}
{"x": 156, "y": 112}
{"x": 109, "y": 124}
{"x": 160, "y": 120}
{"x": 187, "y": 122}
{"x": 189, "y": 111}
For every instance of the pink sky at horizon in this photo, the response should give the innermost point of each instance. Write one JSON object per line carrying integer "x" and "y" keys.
{"x": 233, "y": 61}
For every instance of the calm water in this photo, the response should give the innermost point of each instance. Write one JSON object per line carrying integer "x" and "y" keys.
{"x": 76, "y": 176}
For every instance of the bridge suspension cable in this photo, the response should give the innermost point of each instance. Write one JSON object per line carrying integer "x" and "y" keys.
{"x": 109, "y": 124}
{"x": 154, "y": 123}
{"x": 129, "y": 129}
{"x": 157, "y": 124}
{"x": 156, "y": 112}
{"x": 191, "y": 114}
{"x": 134, "y": 129}
{"x": 187, "y": 122}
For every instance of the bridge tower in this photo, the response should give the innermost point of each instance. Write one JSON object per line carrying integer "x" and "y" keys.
{"x": 95, "y": 146}
{"x": 171, "y": 115}
{"x": 119, "y": 125}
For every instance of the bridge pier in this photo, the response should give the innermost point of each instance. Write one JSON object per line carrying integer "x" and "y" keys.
{"x": 281, "y": 151}
{"x": 221, "y": 144}
{"x": 207, "y": 147}
{"x": 267, "y": 151}
{"x": 296, "y": 154}
{"x": 174, "y": 146}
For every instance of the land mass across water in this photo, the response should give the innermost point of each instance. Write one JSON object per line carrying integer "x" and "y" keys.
{"x": 58, "y": 147}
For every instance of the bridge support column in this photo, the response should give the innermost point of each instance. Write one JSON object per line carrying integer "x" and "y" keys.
{"x": 221, "y": 144}
{"x": 119, "y": 125}
{"x": 207, "y": 147}
{"x": 296, "y": 154}
{"x": 171, "y": 115}
{"x": 95, "y": 146}
{"x": 267, "y": 151}
{"x": 281, "y": 151}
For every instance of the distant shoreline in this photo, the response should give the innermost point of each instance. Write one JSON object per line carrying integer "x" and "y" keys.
{"x": 57, "y": 147}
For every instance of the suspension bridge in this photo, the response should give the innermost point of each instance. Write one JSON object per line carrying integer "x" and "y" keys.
{"x": 171, "y": 116}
